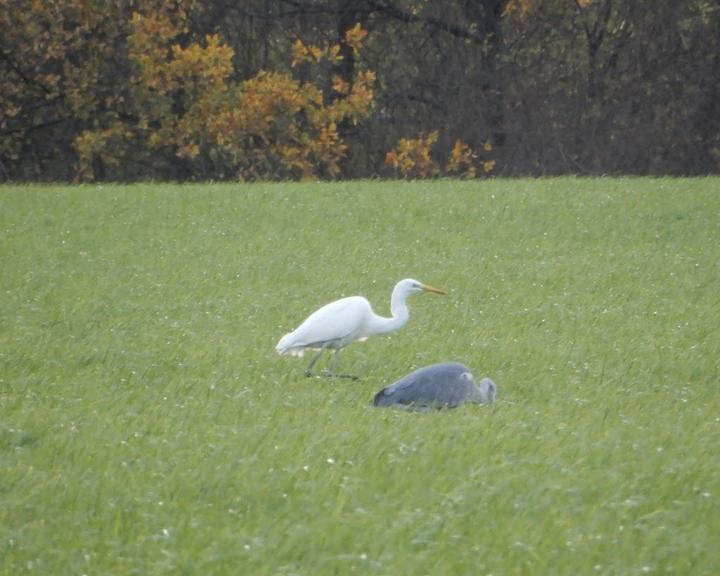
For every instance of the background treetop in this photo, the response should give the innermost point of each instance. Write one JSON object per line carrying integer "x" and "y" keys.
{"x": 201, "y": 89}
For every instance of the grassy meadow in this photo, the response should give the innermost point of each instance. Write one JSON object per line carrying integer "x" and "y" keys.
{"x": 147, "y": 425}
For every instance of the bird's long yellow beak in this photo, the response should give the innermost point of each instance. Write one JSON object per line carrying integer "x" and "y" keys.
{"x": 433, "y": 289}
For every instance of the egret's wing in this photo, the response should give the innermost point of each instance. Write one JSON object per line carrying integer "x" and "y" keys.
{"x": 335, "y": 321}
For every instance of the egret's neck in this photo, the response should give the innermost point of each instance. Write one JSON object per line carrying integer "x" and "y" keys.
{"x": 400, "y": 315}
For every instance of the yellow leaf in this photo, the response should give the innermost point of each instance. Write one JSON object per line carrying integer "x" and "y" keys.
{"x": 354, "y": 37}
{"x": 340, "y": 85}
{"x": 316, "y": 52}
{"x": 299, "y": 53}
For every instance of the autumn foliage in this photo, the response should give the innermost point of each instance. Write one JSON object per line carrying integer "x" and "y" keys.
{"x": 135, "y": 84}
{"x": 412, "y": 158}
{"x": 268, "y": 126}
{"x": 294, "y": 89}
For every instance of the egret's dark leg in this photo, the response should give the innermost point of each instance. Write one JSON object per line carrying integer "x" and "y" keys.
{"x": 333, "y": 363}
{"x": 329, "y": 373}
{"x": 308, "y": 370}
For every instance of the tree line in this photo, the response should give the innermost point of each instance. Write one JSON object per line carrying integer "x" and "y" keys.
{"x": 124, "y": 90}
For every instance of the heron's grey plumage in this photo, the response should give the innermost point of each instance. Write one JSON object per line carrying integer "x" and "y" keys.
{"x": 444, "y": 385}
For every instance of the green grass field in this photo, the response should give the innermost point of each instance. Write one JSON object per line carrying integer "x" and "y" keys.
{"x": 147, "y": 425}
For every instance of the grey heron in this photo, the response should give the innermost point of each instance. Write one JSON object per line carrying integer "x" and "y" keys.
{"x": 444, "y": 385}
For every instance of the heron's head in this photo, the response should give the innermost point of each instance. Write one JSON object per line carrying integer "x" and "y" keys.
{"x": 487, "y": 391}
{"x": 410, "y": 286}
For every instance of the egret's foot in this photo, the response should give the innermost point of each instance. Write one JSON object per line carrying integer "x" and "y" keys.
{"x": 348, "y": 376}
{"x": 326, "y": 374}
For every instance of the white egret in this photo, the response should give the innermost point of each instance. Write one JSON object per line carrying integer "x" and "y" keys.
{"x": 339, "y": 323}
{"x": 445, "y": 385}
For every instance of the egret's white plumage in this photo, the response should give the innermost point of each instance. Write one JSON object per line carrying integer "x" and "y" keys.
{"x": 339, "y": 323}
